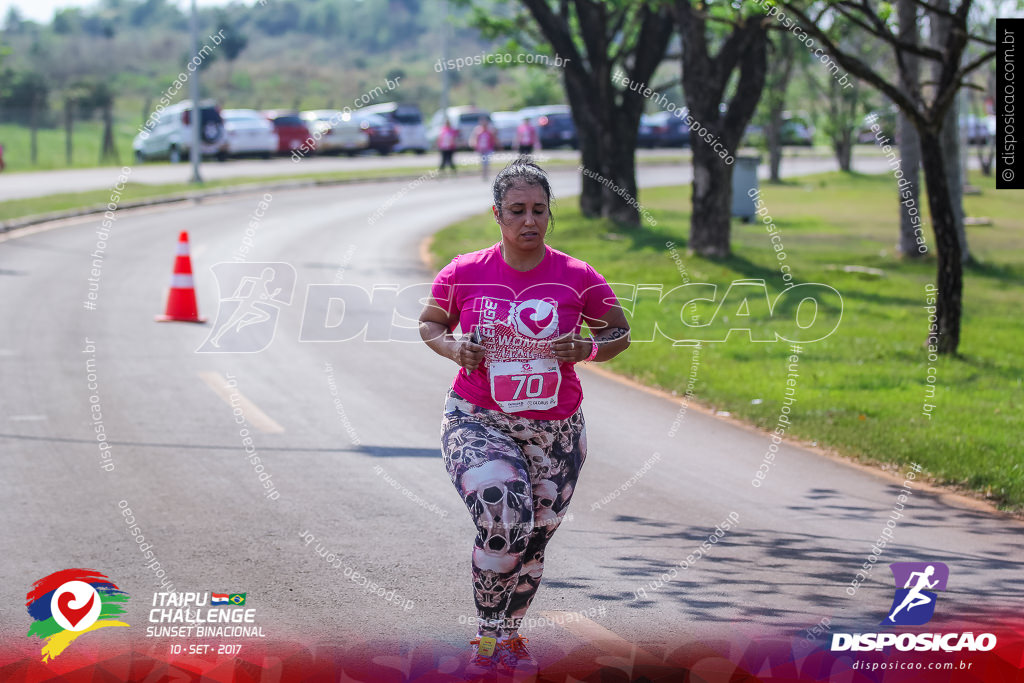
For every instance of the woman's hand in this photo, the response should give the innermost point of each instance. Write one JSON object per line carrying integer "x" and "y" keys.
{"x": 468, "y": 355}
{"x": 571, "y": 348}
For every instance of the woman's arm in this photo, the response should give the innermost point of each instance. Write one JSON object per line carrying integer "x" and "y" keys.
{"x": 434, "y": 326}
{"x": 611, "y": 332}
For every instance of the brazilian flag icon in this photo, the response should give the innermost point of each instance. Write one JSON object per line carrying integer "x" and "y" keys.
{"x": 237, "y": 598}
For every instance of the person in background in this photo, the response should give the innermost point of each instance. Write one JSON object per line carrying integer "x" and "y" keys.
{"x": 447, "y": 141}
{"x": 2, "y": 164}
{"x": 484, "y": 140}
{"x": 526, "y": 137}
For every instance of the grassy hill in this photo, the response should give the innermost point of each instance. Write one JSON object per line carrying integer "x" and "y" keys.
{"x": 301, "y": 55}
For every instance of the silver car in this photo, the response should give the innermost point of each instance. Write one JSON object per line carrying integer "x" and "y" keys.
{"x": 335, "y": 131}
{"x": 167, "y": 134}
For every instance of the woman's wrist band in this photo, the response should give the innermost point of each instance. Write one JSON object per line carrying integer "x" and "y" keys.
{"x": 593, "y": 351}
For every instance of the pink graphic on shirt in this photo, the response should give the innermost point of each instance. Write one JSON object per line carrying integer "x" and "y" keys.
{"x": 535, "y": 318}
{"x": 517, "y": 330}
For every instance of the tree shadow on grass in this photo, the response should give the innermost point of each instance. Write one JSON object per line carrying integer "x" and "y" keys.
{"x": 1008, "y": 274}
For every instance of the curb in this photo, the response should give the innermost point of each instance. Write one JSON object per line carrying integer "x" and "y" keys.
{"x": 26, "y": 221}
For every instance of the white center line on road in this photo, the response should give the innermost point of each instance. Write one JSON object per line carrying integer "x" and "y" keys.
{"x": 603, "y": 639}
{"x": 234, "y": 398}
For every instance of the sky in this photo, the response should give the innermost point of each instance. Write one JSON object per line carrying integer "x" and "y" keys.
{"x": 42, "y": 10}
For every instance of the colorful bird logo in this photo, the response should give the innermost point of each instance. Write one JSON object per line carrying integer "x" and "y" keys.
{"x": 69, "y": 603}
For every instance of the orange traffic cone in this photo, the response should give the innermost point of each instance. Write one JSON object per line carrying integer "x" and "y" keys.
{"x": 181, "y": 301}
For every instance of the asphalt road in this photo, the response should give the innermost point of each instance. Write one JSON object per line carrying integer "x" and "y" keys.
{"x": 41, "y": 183}
{"x": 325, "y": 416}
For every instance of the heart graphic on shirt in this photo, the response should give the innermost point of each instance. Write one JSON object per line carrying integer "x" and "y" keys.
{"x": 535, "y": 318}
{"x": 73, "y": 614}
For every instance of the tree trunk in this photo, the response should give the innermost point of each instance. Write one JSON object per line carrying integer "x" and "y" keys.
{"x": 606, "y": 116}
{"x": 108, "y": 151}
{"x": 950, "y": 135}
{"x": 773, "y": 138}
{"x": 909, "y": 143}
{"x": 950, "y": 268}
{"x": 909, "y": 196}
{"x": 842, "y": 145}
{"x": 986, "y": 155}
{"x": 68, "y": 129}
{"x": 778, "y": 81}
{"x": 710, "y": 223}
{"x": 33, "y": 122}
{"x": 704, "y": 81}
{"x": 588, "y": 132}
{"x": 620, "y": 203}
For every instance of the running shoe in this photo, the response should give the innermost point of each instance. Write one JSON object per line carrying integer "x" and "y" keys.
{"x": 483, "y": 662}
{"x": 514, "y": 657}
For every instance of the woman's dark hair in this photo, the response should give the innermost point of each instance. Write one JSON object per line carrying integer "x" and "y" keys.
{"x": 521, "y": 170}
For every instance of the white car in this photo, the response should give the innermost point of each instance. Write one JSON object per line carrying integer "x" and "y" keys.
{"x": 506, "y": 123}
{"x": 167, "y": 134}
{"x": 336, "y": 131}
{"x": 249, "y": 132}
{"x": 412, "y": 134}
{"x": 465, "y": 119}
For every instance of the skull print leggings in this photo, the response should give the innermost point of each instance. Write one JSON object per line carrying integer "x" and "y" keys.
{"x": 516, "y": 476}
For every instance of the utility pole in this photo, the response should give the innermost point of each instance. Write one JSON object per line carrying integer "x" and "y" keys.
{"x": 195, "y": 152}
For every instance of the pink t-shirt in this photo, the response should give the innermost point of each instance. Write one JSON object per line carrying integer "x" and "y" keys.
{"x": 484, "y": 140}
{"x": 524, "y": 134}
{"x": 446, "y": 139}
{"x": 520, "y": 313}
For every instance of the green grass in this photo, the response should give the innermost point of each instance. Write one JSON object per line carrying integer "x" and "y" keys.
{"x": 50, "y": 146}
{"x": 861, "y": 390}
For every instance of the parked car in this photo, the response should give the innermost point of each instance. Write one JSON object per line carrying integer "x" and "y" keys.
{"x": 168, "y": 134}
{"x": 975, "y": 129}
{"x": 646, "y": 134}
{"x": 383, "y": 135}
{"x": 670, "y": 129}
{"x": 249, "y": 133}
{"x": 464, "y": 118}
{"x": 795, "y": 131}
{"x": 554, "y": 124}
{"x": 336, "y": 130}
{"x": 292, "y": 131}
{"x": 505, "y": 123}
{"x": 407, "y": 118}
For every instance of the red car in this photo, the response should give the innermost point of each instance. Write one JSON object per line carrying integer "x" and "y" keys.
{"x": 383, "y": 134}
{"x": 291, "y": 131}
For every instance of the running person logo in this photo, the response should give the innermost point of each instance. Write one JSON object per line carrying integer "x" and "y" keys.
{"x": 914, "y": 603}
{"x": 251, "y": 297}
{"x": 70, "y": 603}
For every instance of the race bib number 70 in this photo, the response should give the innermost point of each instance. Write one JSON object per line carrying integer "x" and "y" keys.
{"x": 525, "y": 385}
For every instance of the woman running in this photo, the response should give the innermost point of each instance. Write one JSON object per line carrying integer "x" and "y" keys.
{"x": 447, "y": 141}
{"x": 484, "y": 139}
{"x": 512, "y": 433}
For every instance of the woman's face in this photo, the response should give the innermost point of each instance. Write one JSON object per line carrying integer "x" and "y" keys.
{"x": 524, "y": 216}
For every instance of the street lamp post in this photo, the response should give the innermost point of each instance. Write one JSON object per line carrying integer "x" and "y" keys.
{"x": 193, "y": 88}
